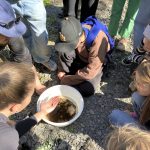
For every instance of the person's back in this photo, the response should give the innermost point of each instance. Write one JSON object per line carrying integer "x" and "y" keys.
{"x": 8, "y": 133}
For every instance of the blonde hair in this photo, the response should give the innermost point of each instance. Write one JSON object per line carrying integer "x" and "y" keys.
{"x": 15, "y": 80}
{"x": 144, "y": 72}
{"x": 128, "y": 138}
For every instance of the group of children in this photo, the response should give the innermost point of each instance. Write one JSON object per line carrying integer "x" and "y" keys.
{"x": 84, "y": 50}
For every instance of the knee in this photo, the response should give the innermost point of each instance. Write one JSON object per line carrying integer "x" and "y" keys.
{"x": 114, "y": 114}
{"x": 113, "y": 117}
{"x": 86, "y": 89}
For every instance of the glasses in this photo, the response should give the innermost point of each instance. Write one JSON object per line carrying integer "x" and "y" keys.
{"x": 11, "y": 23}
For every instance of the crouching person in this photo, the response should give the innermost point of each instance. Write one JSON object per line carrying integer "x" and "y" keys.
{"x": 82, "y": 53}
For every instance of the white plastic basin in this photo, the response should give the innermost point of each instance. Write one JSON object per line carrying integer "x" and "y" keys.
{"x": 63, "y": 90}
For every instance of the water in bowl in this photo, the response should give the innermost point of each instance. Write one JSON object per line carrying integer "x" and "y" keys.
{"x": 64, "y": 111}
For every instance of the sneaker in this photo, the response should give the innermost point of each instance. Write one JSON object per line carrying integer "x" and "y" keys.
{"x": 122, "y": 45}
{"x": 50, "y": 65}
{"x": 127, "y": 61}
{"x": 133, "y": 114}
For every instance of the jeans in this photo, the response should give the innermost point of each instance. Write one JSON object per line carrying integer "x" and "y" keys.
{"x": 33, "y": 14}
{"x": 120, "y": 118}
{"x": 141, "y": 21}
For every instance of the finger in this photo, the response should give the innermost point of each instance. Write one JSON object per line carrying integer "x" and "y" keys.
{"x": 50, "y": 101}
{"x": 54, "y": 101}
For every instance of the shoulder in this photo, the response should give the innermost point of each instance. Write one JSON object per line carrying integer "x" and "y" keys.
{"x": 101, "y": 35}
{"x": 9, "y": 138}
{"x": 102, "y": 39}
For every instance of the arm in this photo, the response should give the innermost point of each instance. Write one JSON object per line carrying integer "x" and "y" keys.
{"x": 46, "y": 107}
{"x": 25, "y": 125}
{"x": 20, "y": 50}
{"x": 96, "y": 59}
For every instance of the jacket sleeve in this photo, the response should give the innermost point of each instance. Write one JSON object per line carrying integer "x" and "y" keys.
{"x": 65, "y": 60}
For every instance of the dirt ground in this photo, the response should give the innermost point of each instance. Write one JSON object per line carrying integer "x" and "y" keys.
{"x": 90, "y": 130}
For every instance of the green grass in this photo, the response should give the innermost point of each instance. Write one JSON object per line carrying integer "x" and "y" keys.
{"x": 47, "y": 2}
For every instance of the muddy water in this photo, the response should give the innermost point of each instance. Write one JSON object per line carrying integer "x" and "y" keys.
{"x": 64, "y": 111}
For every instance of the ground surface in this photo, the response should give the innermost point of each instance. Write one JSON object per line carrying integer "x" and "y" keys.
{"x": 90, "y": 130}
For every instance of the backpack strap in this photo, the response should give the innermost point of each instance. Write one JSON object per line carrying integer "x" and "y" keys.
{"x": 97, "y": 26}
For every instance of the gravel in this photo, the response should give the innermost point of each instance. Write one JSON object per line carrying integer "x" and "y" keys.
{"x": 90, "y": 130}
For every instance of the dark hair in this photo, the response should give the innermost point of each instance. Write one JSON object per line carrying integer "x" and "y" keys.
{"x": 15, "y": 79}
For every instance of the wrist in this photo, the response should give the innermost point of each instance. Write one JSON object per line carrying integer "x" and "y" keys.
{"x": 39, "y": 116}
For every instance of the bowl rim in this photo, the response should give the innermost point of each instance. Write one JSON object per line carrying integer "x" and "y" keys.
{"x": 62, "y": 124}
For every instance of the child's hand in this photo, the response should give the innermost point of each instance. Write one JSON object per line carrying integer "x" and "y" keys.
{"x": 146, "y": 44}
{"x": 61, "y": 75}
{"x": 48, "y": 106}
{"x": 11, "y": 122}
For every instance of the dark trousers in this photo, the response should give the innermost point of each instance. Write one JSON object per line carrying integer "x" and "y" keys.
{"x": 69, "y": 8}
{"x": 81, "y": 9}
{"x": 88, "y": 87}
{"x": 88, "y": 8}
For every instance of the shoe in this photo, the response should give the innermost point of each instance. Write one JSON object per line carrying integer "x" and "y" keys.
{"x": 122, "y": 45}
{"x": 127, "y": 61}
{"x": 133, "y": 114}
{"x": 50, "y": 65}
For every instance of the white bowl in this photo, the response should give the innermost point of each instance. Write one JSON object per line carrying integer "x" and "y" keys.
{"x": 63, "y": 90}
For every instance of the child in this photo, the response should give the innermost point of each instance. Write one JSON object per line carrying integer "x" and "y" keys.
{"x": 140, "y": 100}
{"x": 142, "y": 52}
{"x": 82, "y": 53}
{"x": 11, "y": 31}
{"x": 36, "y": 36}
{"x": 17, "y": 83}
{"x": 128, "y": 138}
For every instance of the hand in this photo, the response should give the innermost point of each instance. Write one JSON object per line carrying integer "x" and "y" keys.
{"x": 11, "y": 122}
{"x": 48, "y": 106}
{"x": 61, "y": 75}
{"x": 146, "y": 44}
